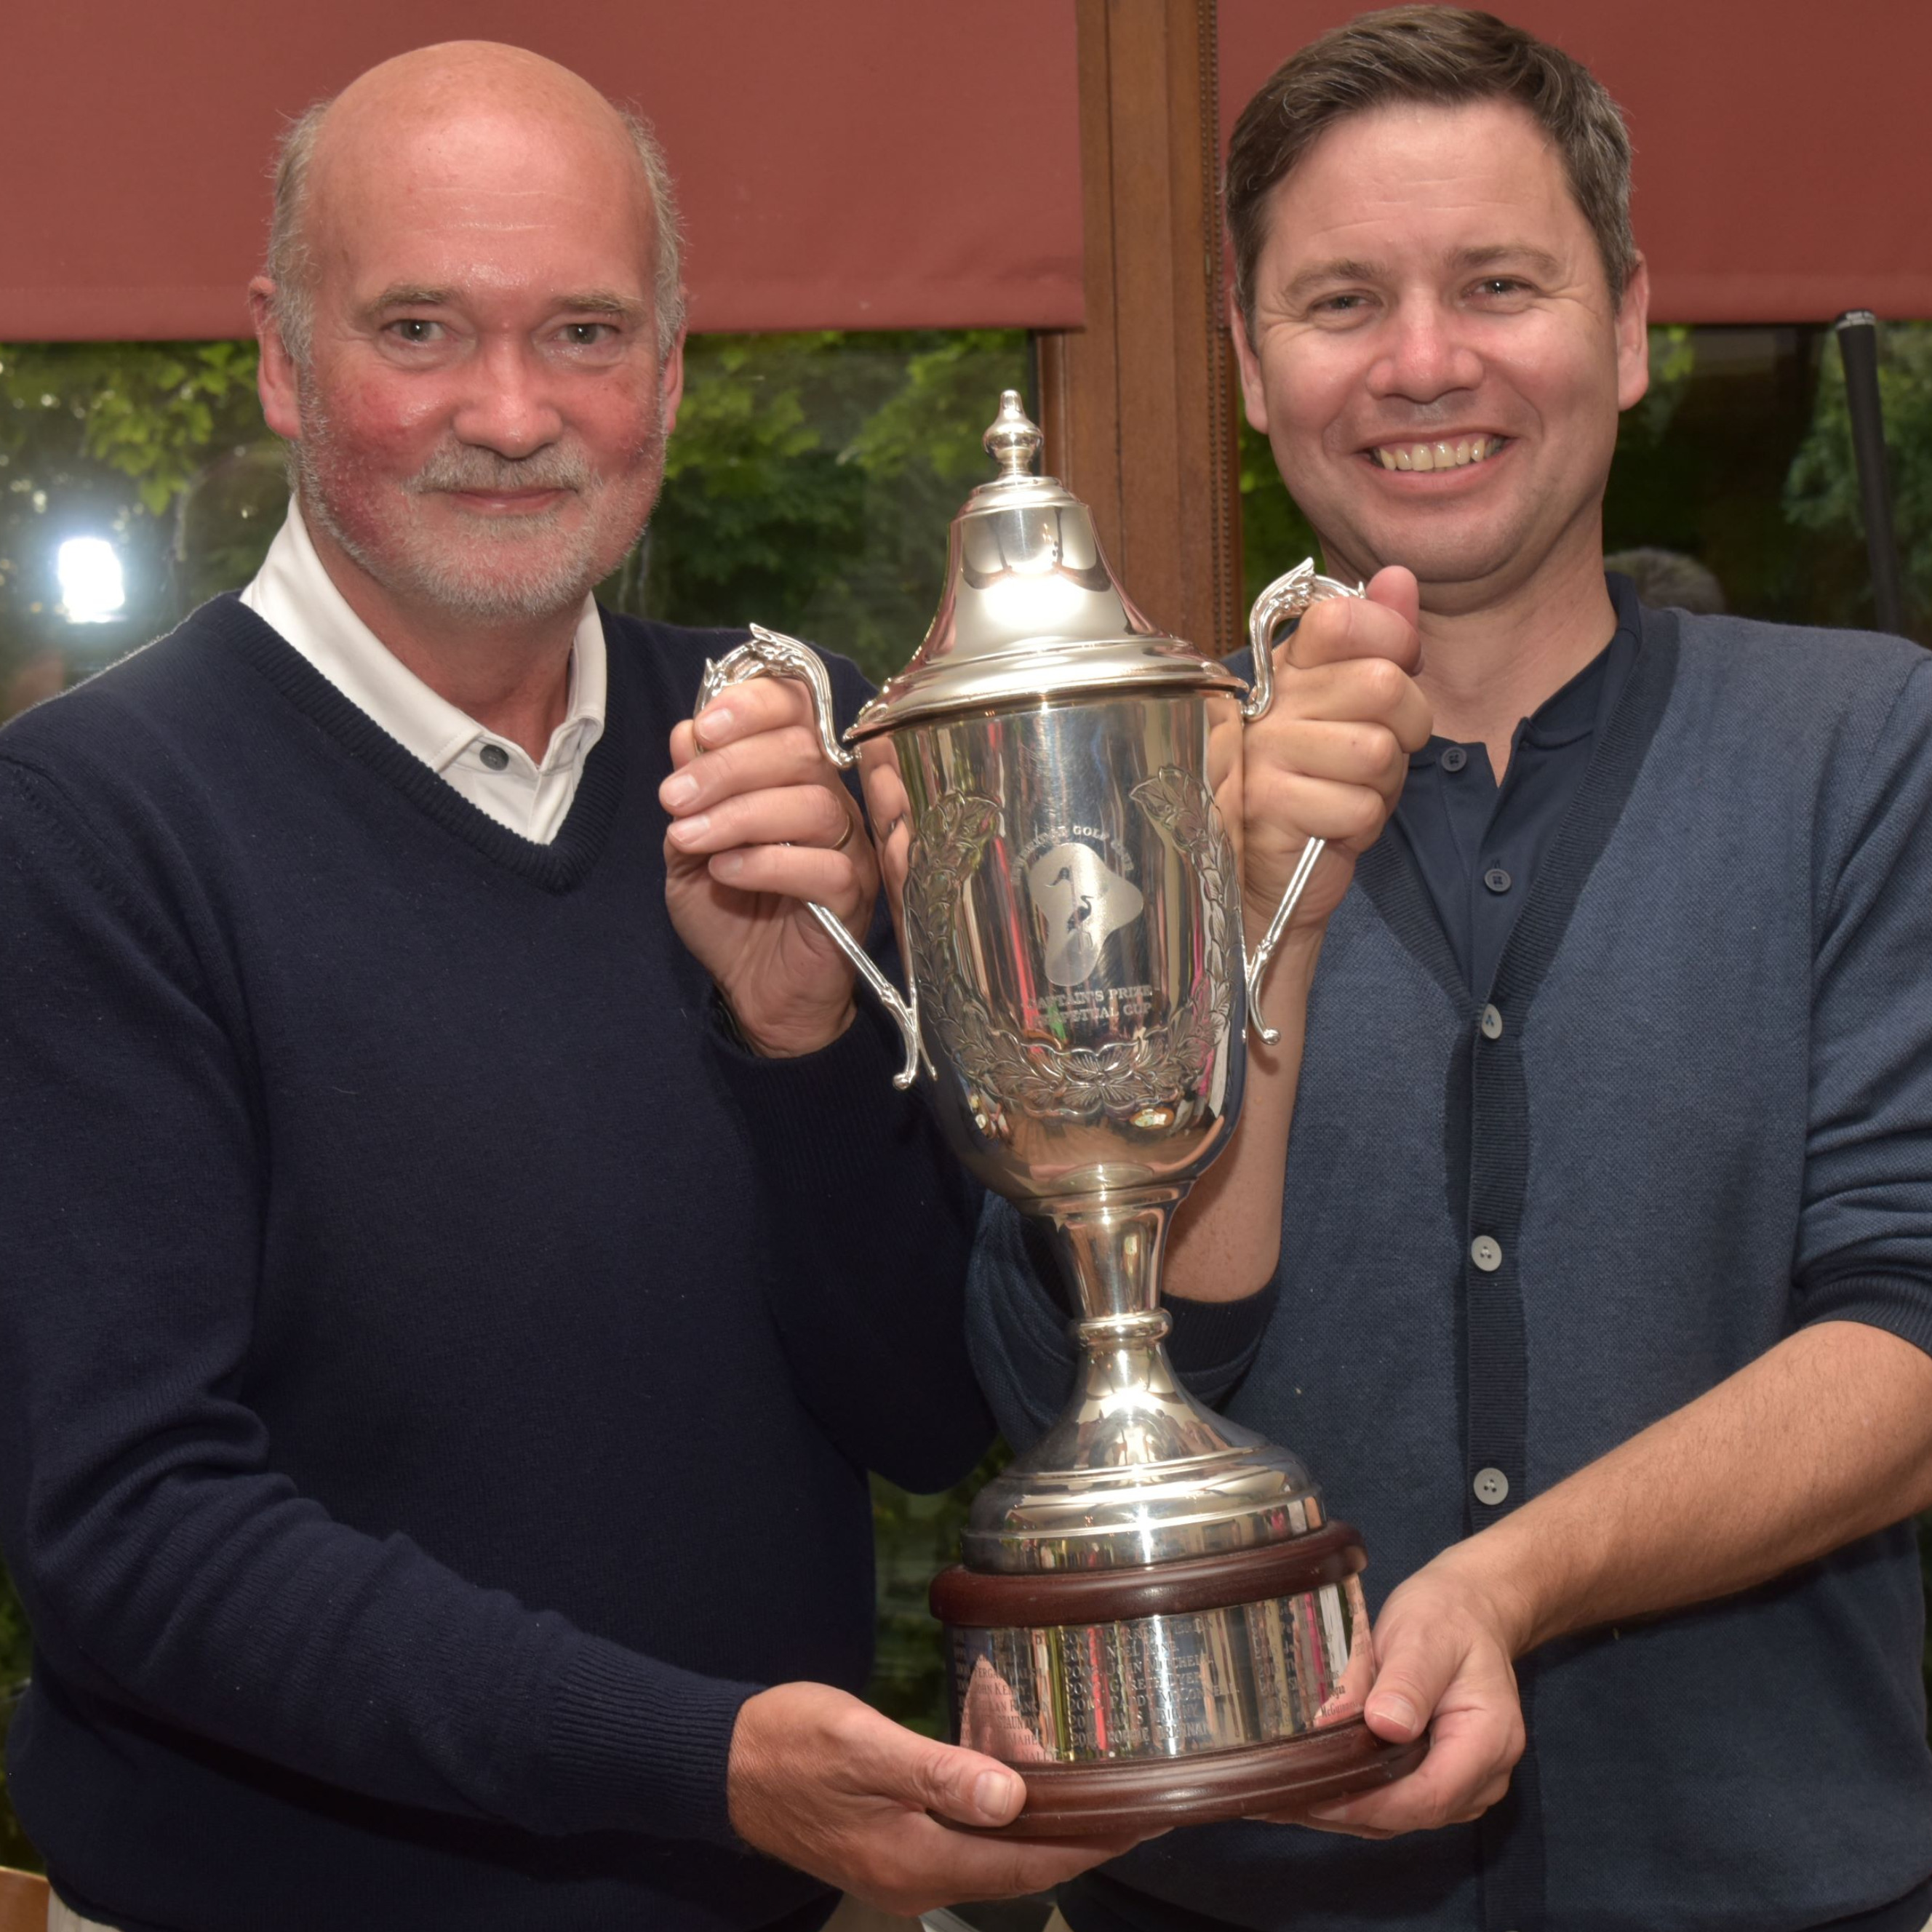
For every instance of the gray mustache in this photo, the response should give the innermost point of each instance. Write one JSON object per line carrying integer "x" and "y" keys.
{"x": 484, "y": 470}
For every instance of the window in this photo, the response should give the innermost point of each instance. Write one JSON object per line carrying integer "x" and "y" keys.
{"x": 1738, "y": 459}
{"x": 809, "y": 485}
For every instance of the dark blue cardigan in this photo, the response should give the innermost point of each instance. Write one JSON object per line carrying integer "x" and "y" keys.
{"x": 1707, "y": 1120}
{"x": 421, "y": 1426}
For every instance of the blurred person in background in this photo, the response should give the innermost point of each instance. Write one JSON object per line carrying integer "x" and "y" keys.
{"x": 1667, "y": 580}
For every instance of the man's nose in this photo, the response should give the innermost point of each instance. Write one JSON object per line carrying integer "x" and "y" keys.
{"x": 510, "y": 406}
{"x": 1425, "y": 356}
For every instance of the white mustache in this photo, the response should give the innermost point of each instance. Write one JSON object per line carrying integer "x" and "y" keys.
{"x": 484, "y": 472}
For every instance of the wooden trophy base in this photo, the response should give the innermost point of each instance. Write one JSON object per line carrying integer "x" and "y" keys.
{"x": 1278, "y": 1780}
{"x": 1036, "y": 1655}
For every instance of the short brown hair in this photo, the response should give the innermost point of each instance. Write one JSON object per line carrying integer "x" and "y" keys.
{"x": 1448, "y": 56}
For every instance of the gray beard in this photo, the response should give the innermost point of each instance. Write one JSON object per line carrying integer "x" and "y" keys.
{"x": 445, "y": 582}
{"x": 450, "y": 581}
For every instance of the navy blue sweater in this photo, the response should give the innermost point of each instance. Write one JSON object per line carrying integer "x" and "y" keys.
{"x": 1701, "y": 1117}
{"x": 419, "y": 1432}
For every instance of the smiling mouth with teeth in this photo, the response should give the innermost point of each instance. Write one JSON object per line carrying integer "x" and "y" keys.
{"x": 1456, "y": 455}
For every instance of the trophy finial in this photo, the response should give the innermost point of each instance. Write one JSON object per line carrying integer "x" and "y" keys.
{"x": 1014, "y": 439}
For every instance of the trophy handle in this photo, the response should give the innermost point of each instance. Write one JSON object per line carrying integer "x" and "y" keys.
{"x": 1287, "y": 596}
{"x": 770, "y": 654}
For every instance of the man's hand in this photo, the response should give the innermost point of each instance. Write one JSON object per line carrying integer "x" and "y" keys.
{"x": 827, "y": 1784}
{"x": 1444, "y": 1644}
{"x": 760, "y": 824}
{"x": 1696, "y": 1507}
{"x": 1330, "y": 759}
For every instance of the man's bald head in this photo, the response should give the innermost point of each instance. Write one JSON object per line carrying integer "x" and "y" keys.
{"x": 470, "y": 338}
{"x": 458, "y": 79}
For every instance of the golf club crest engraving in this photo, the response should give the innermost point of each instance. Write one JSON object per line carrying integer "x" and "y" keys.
{"x": 1155, "y": 1620}
{"x": 1145, "y": 1077}
{"x": 1079, "y": 901}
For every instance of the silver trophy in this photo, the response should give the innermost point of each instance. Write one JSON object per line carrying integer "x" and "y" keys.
{"x": 1156, "y": 1621}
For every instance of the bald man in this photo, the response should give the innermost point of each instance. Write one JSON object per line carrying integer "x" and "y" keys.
{"x": 437, "y": 1487}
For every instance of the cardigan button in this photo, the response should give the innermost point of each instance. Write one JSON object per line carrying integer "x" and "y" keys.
{"x": 1487, "y": 1252}
{"x": 1497, "y": 880}
{"x": 1492, "y": 1024}
{"x": 1454, "y": 757}
{"x": 1492, "y": 1487}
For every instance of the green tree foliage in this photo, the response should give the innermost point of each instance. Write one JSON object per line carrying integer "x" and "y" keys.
{"x": 811, "y": 480}
{"x": 915, "y": 1537}
{"x": 151, "y": 416}
{"x": 141, "y": 443}
{"x": 15, "y": 1652}
{"x": 808, "y": 484}
{"x": 1275, "y": 535}
{"x": 758, "y": 512}
{"x": 1821, "y": 492}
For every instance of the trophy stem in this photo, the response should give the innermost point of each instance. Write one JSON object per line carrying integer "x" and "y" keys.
{"x": 1130, "y": 1414}
{"x": 1131, "y": 1410}
{"x": 1114, "y": 1244}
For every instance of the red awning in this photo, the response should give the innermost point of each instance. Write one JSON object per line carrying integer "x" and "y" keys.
{"x": 1783, "y": 171}
{"x": 843, "y": 163}
{"x": 881, "y": 163}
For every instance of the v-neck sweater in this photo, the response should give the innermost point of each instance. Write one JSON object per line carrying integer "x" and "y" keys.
{"x": 438, "y": 1372}
{"x": 294, "y": 595}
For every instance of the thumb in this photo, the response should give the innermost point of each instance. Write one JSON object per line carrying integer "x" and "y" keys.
{"x": 964, "y": 1786}
{"x": 1415, "y": 1668}
{"x": 1382, "y": 623}
{"x": 1395, "y": 589}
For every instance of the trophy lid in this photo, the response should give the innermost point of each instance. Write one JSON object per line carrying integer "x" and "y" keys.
{"x": 1031, "y": 610}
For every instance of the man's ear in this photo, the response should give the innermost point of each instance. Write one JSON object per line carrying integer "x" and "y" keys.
{"x": 670, "y": 382}
{"x": 275, "y": 376}
{"x": 1253, "y": 398}
{"x": 1634, "y": 337}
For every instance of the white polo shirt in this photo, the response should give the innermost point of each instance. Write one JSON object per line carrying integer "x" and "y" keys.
{"x": 294, "y": 595}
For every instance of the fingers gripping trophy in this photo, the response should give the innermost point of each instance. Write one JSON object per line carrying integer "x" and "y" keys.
{"x": 1155, "y": 1621}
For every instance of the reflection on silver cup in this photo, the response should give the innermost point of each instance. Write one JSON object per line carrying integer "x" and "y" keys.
{"x": 1155, "y": 1618}
{"x": 1212, "y": 1680}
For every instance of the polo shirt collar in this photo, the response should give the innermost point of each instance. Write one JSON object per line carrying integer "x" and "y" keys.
{"x": 294, "y": 594}
{"x": 1580, "y": 707}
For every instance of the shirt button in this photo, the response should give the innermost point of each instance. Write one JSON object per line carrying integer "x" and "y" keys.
{"x": 1454, "y": 758}
{"x": 1496, "y": 879}
{"x": 495, "y": 757}
{"x": 1486, "y": 1252}
{"x": 1492, "y": 1024}
{"x": 1491, "y": 1485}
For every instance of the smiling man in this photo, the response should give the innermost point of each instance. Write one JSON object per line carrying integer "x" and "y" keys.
{"x": 1602, "y": 1241}
{"x": 434, "y": 1469}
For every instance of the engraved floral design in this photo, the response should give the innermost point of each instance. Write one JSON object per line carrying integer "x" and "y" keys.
{"x": 1147, "y": 1076}
{"x": 1184, "y": 810}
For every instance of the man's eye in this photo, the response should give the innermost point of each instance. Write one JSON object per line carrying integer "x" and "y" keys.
{"x": 413, "y": 329}
{"x": 587, "y": 334}
{"x": 1500, "y": 285}
{"x": 1340, "y": 304}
